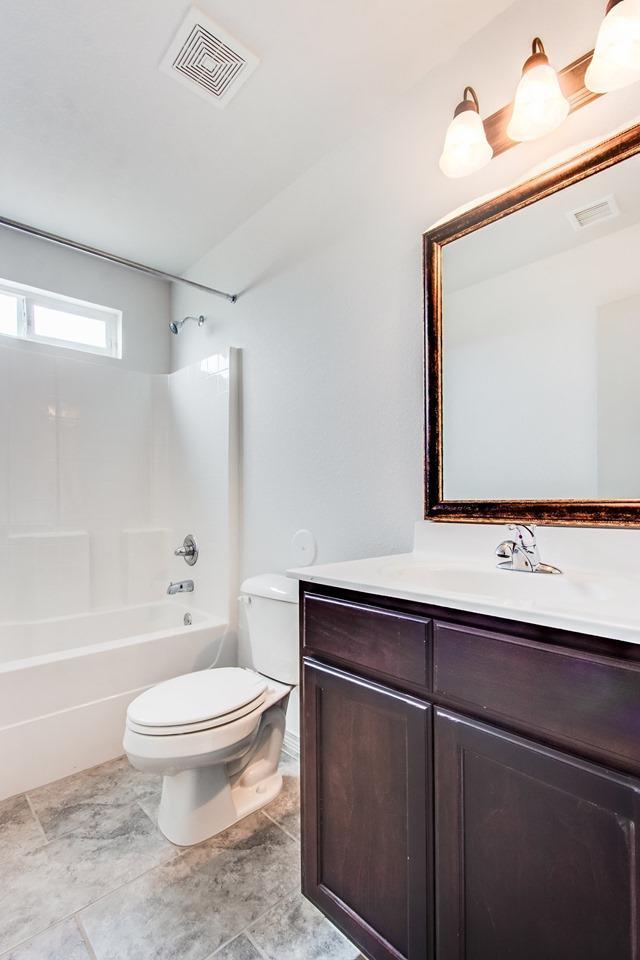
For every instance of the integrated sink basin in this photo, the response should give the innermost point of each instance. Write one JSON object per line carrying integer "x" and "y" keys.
{"x": 502, "y": 587}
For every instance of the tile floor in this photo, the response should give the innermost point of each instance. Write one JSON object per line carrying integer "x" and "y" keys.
{"x": 86, "y": 875}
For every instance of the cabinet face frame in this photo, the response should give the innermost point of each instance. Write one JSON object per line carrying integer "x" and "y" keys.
{"x": 417, "y": 716}
{"x": 561, "y": 512}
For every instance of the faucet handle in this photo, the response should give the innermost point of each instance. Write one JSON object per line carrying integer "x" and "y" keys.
{"x": 188, "y": 550}
{"x": 525, "y": 533}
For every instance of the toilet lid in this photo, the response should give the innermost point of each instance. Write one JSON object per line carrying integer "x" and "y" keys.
{"x": 197, "y": 697}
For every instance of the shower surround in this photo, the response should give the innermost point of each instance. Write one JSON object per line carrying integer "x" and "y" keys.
{"x": 103, "y": 471}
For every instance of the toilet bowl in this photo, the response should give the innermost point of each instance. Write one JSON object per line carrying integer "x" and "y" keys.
{"x": 215, "y": 735}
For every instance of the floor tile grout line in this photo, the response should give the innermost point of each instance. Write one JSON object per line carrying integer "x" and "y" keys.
{"x": 85, "y": 906}
{"x": 274, "y": 906}
{"x": 147, "y": 814}
{"x": 85, "y": 937}
{"x": 177, "y": 853}
{"x": 223, "y": 946}
{"x": 246, "y": 930}
{"x": 36, "y": 817}
{"x": 69, "y": 917}
{"x": 284, "y": 830}
{"x": 256, "y": 946}
{"x": 66, "y": 833}
{"x": 24, "y": 943}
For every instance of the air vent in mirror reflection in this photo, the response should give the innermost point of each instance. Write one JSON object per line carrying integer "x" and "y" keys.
{"x": 597, "y": 212}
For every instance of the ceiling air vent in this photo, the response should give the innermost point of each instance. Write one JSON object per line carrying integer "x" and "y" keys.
{"x": 596, "y": 212}
{"x": 207, "y": 59}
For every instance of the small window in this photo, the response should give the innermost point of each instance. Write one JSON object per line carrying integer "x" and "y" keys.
{"x": 8, "y": 315}
{"x": 31, "y": 314}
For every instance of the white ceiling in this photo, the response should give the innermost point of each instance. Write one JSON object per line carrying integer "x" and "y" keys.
{"x": 99, "y": 145}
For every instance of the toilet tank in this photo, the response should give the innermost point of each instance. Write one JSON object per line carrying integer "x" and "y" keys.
{"x": 271, "y": 605}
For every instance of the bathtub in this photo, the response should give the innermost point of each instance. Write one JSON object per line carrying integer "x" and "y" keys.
{"x": 65, "y": 683}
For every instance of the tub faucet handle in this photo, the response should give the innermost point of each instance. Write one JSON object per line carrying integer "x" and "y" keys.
{"x": 188, "y": 550}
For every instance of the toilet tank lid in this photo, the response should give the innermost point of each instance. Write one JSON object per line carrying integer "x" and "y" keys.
{"x": 273, "y": 586}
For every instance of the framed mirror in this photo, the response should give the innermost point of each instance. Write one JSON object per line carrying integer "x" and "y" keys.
{"x": 532, "y": 323}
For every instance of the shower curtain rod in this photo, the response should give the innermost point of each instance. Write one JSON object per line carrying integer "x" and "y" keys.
{"x": 112, "y": 257}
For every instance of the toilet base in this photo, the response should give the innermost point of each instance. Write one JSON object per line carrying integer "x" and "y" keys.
{"x": 200, "y": 802}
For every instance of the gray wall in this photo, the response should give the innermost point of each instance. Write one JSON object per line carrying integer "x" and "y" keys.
{"x": 144, "y": 301}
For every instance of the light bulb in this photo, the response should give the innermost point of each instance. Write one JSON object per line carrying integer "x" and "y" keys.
{"x": 616, "y": 59}
{"x": 539, "y": 105}
{"x": 466, "y": 148}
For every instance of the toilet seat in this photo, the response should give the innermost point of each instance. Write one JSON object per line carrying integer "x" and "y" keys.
{"x": 197, "y": 701}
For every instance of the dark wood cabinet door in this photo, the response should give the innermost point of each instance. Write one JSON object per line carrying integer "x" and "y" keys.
{"x": 536, "y": 852}
{"x": 367, "y": 812}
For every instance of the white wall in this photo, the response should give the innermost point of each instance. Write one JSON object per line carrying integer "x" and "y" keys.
{"x": 330, "y": 316}
{"x": 145, "y": 302}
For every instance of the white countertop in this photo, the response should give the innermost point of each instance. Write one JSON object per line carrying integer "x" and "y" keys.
{"x": 604, "y": 603}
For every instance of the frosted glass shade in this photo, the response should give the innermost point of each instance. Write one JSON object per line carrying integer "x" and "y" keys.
{"x": 616, "y": 59}
{"x": 466, "y": 148}
{"x": 539, "y": 106}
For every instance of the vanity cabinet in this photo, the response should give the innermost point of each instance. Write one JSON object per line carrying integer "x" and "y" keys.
{"x": 470, "y": 785}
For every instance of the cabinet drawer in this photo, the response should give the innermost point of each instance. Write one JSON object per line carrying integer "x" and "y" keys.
{"x": 381, "y": 643}
{"x": 575, "y": 698}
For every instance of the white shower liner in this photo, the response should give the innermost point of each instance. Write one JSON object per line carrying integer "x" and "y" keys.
{"x": 65, "y": 683}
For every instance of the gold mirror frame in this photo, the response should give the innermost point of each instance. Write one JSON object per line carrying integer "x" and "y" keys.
{"x": 562, "y": 512}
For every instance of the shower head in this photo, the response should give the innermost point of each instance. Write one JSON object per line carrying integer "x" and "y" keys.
{"x": 176, "y": 325}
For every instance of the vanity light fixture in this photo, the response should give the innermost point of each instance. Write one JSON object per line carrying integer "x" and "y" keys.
{"x": 540, "y": 105}
{"x": 616, "y": 59}
{"x": 466, "y": 148}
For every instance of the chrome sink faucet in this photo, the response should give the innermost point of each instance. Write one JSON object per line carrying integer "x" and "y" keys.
{"x": 521, "y": 553}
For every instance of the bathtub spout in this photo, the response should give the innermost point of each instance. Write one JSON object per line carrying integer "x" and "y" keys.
{"x": 181, "y": 586}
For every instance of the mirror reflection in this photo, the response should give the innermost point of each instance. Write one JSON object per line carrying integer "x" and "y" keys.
{"x": 540, "y": 348}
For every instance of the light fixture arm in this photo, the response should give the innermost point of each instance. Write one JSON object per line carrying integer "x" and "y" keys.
{"x": 469, "y": 102}
{"x": 474, "y": 96}
{"x": 538, "y": 55}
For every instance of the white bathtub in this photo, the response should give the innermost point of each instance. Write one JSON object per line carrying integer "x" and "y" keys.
{"x": 65, "y": 683}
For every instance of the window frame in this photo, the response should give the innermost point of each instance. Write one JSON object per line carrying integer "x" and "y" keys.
{"x": 29, "y": 297}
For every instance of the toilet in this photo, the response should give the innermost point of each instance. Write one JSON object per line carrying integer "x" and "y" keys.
{"x": 216, "y": 735}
